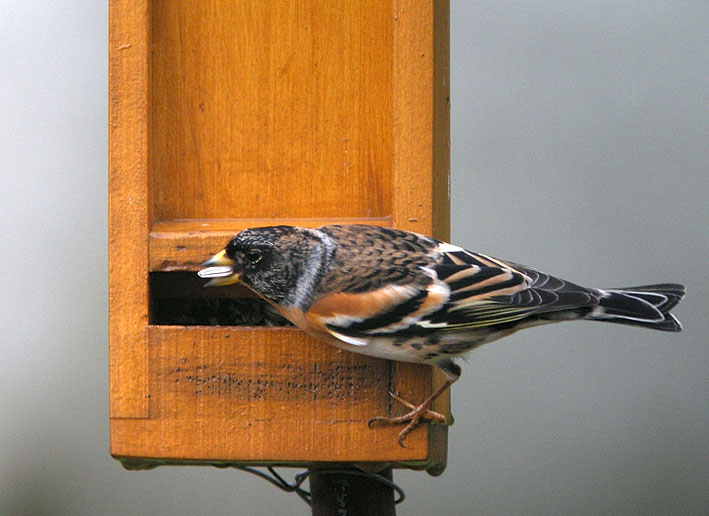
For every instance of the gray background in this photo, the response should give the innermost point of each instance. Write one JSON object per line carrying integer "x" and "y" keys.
{"x": 580, "y": 136}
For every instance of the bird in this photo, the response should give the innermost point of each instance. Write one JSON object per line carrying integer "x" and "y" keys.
{"x": 399, "y": 295}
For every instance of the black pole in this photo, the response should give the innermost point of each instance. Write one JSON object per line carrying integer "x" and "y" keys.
{"x": 345, "y": 492}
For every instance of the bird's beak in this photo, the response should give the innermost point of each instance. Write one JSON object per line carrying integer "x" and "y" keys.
{"x": 220, "y": 268}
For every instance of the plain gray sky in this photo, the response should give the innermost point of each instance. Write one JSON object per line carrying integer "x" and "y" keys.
{"x": 580, "y": 146}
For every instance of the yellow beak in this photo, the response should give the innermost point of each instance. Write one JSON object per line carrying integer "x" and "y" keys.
{"x": 220, "y": 269}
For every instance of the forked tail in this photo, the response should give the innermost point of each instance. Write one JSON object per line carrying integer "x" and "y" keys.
{"x": 648, "y": 306}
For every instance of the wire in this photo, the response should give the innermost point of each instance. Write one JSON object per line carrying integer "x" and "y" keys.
{"x": 295, "y": 487}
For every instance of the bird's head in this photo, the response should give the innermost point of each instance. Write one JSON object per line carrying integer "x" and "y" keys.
{"x": 269, "y": 260}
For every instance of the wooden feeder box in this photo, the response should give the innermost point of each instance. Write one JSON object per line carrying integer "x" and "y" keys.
{"x": 228, "y": 115}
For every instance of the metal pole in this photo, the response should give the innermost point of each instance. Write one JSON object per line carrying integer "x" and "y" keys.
{"x": 344, "y": 493}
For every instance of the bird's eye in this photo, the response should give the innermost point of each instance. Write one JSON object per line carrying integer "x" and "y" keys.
{"x": 254, "y": 255}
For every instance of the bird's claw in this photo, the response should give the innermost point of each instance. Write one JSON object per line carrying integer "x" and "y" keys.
{"x": 412, "y": 417}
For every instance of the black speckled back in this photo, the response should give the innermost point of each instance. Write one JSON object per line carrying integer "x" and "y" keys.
{"x": 369, "y": 257}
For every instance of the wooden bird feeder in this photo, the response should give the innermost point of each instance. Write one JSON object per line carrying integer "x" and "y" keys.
{"x": 228, "y": 115}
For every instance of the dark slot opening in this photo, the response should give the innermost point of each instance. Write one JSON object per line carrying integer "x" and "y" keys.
{"x": 179, "y": 298}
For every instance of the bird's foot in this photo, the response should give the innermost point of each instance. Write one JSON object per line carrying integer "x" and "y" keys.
{"x": 413, "y": 417}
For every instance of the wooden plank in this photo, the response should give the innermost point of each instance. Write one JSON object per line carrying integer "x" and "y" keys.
{"x": 441, "y": 121}
{"x": 271, "y": 109}
{"x": 421, "y": 143}
{"x": 267, "y": 394}
{"x": 412, "y": 105}
{"x": 183, "y": 245}
{"x": 128, "y": 216}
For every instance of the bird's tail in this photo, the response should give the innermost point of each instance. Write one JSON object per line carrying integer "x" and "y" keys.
{"x": 648, "y": 306}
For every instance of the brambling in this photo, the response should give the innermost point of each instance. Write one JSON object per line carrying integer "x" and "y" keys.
{"x": 403, "y": 296}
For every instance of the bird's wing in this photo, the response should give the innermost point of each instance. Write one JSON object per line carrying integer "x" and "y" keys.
{"x": 463, "y": 291}
{"x": 486, "y": 291}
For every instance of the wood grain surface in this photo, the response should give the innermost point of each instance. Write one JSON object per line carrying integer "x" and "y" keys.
{"x": 128, "y": 217}
{"x": 271, "y": 109}
{"x": 235, "y": 394}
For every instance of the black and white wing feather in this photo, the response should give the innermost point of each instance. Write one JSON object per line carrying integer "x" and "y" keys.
{"x": 460, "y": 291}
{"x": 485, "y": 291}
